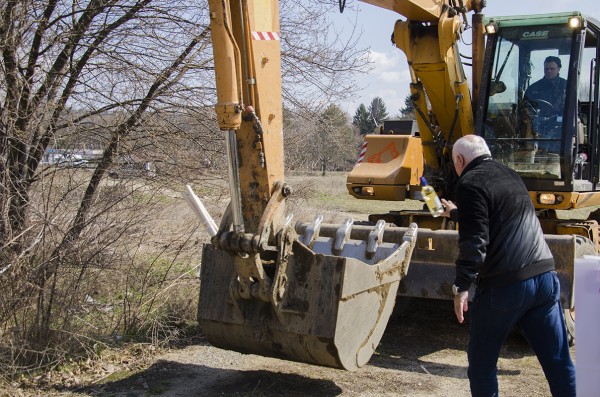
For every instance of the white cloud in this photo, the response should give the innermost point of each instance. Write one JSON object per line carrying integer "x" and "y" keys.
{"x": 400, "y": 76}
{"x": 384, "y": 61}
{"x": 389, "y": 79}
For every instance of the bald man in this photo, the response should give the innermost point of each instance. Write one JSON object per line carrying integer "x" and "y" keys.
{"x": 503, "y": 252}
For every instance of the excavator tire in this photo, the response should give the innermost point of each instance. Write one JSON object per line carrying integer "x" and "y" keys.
{"x": 583, "y": 247}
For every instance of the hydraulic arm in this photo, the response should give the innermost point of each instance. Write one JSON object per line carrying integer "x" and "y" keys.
{"x": 441, "y": 98}
{"x": 265, "y": 289}
{"x": 248, "y": 76}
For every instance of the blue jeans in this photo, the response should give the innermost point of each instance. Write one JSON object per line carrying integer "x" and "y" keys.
{"x": 534, "y": 306}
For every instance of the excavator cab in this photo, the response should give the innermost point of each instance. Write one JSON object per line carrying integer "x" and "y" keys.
{"x": 543, "y": 122}
{"x": 538, "y": 112}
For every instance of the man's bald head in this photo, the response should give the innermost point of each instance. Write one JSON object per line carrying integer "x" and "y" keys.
{"x": 466, "y": 149}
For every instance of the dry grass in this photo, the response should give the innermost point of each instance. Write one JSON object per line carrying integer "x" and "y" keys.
{"x": 330, "y": 196}
{"x": 329, "y": 193}
{"x": 131, "y": 275}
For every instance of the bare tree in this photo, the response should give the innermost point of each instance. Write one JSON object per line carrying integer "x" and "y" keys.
{"x": 56, "y": 54}
{"x": 320, "y": 60}
{"x": 133, "y": 79}
{"x": 106, "y": 66}
{"x": 326, "y": 142}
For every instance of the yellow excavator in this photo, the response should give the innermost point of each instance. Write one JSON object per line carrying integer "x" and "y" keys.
{"x": 323, "y": 294}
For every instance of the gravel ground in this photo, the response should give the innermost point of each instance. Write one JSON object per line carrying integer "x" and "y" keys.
{"x": 422, "y": 353}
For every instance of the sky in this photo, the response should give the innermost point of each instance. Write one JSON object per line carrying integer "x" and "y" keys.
{"x": 389, "y": 79}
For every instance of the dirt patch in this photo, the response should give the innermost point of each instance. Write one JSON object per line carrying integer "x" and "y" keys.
{"x": 422, "y": 353}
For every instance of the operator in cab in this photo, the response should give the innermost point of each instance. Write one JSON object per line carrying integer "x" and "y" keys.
{"x": 551, "y": 88}
{"x": 545, "y": 103}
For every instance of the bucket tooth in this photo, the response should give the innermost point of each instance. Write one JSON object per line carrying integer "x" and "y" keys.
{"x": 375, "y": 238}
{"x": 342, "y": 235}
{"x": 312, "y": 231}
{"x": 328, "y": 310}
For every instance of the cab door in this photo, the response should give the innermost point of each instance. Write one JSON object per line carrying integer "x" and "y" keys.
{"x": 587, "y": 158}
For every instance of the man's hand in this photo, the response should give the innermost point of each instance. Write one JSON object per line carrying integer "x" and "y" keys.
{"x": 461, "y": 305}
{"x": 449, "y": 206}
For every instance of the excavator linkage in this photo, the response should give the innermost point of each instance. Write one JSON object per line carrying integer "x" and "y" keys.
{"x": 324, "y": 300}
{"x": 432, "y": 264}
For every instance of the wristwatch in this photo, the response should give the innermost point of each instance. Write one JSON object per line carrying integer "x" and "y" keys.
{"x": 456, "y": 290}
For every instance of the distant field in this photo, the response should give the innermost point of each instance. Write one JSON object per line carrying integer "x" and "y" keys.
{"x": 329, "y": 195}
{"x": 314, "y": 194}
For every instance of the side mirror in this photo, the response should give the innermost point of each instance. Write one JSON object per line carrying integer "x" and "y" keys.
{"x": 497, "y": 87}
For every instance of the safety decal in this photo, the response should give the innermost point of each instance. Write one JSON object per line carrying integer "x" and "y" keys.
{"x": 361, "y": 156}
{"x": 389, "y": 151}
{"x": 265, "y": 36}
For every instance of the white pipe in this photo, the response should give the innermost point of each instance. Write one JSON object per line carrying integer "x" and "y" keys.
{"x": 201, "y": 212}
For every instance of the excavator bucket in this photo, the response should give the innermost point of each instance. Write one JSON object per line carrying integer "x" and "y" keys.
{"x": 319, "y": 300}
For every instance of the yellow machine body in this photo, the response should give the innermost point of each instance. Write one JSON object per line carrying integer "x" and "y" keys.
{"x": 390, "y": 164}
{"x": 323, "y": 294}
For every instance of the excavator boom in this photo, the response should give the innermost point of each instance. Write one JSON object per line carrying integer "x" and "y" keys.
{"x": 440, "y": 94}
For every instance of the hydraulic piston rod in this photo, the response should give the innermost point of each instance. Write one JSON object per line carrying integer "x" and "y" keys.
{"x": 234, "y": 182}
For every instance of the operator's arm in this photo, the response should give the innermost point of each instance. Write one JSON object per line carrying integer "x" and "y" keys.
{"x": 560, "y": 96}
{"x": 529, "y": 107}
